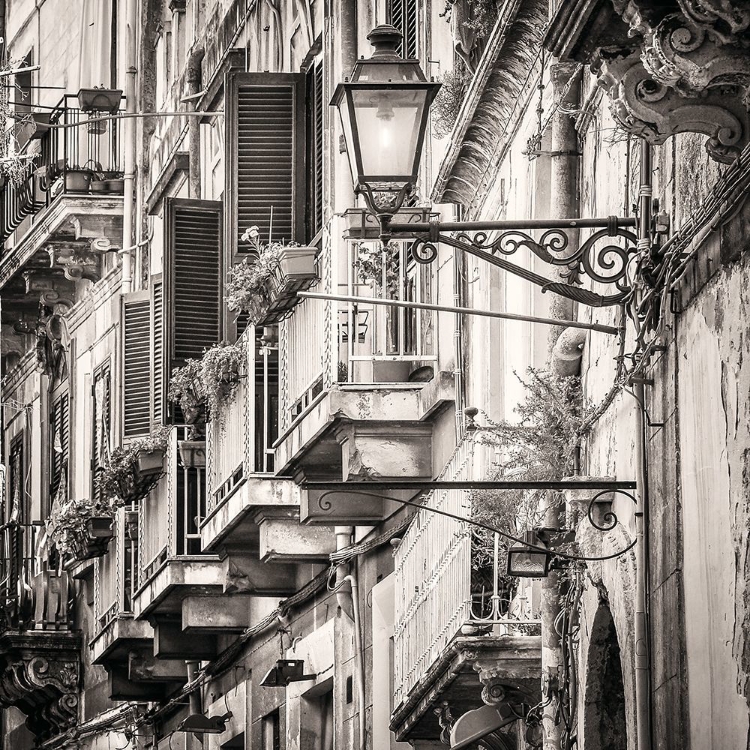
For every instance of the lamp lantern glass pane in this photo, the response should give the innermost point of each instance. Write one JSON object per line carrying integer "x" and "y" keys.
{"x": 526, "y": 562}
{"x": 388, "y": 125}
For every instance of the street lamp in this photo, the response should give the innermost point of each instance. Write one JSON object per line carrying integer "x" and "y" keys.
{"x": 531, "y": 559}
{"x": 384, "y": 108}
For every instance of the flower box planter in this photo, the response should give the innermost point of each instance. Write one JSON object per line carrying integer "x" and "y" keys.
{"x": 385, "y": 371}
{"x": 296, "y": 273}
{"x": 111, "y": 187}
{"x": 362, "y": 225}
{"x": 150, "y": 462}
{"x": 193, "y": 453}
{"x": 131, "y": 526}
{"x": 100, "y": 100}
{"x": 96, "y": 540}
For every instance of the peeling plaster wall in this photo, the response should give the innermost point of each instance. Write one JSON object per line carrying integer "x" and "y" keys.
{"x": 714, "y": 403}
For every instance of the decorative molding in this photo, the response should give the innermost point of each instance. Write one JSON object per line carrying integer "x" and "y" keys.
{"x": 665, "y": 72}
{"x": 40, "y": 675}
{"x": 55, "y": 292}
{"x": 77, "y": 260}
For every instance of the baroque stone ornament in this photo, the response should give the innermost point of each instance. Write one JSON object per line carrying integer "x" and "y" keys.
{"x": 76, "y": 260}
{"x": 724, "y": 19}
{"x": 40, "y": 675}
{"x": 650, "y": 109}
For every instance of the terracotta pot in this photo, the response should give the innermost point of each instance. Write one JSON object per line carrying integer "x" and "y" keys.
{"x": 77, "y": 181}
{"x": 150, "y": 462}
{"x": 100, "y": 100}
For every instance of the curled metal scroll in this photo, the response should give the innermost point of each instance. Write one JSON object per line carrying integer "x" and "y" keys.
{"x": 423, "y": 251}
{"x": 609, "y": 518}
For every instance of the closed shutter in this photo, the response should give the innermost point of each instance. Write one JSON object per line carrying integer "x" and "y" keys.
{"x": 266, "y": 142}
{"x": 101, "y": 394}
{"x": 137, "y": 366}
{"x": 316, "y": 113}
{"x": 192, "y": 284}
{"x": 59, "y": 442}
{"x": 403, "y": 15}
{"x": 157, "y": 371}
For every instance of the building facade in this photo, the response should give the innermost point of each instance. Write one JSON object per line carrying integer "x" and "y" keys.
{"x": 198, "y": 326}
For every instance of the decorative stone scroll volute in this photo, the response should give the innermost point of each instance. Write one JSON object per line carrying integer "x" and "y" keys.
{"x": 39, "y": 675}
{"x": 668, "y": 67}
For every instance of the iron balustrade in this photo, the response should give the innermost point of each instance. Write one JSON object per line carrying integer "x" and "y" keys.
{"x": 453, "y": 592}
{"x": 240, "y": 436}
{"x": 60, "y": 156}
{"x": 171, "y": 514}
{"x": 32, "y": 595}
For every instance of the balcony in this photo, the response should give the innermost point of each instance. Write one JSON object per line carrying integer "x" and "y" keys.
{"x": 39, "y": 649}
{"x": 252, "y": 515}
{"x": 457, "y": 630}
{"x": 59, "y": 219}
{"x": 358, "y": 381}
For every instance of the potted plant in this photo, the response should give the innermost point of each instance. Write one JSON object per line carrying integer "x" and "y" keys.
{"x": 99, "y": 99}
{"x": 121, "y": 476}
{"x": 131, "y": 526}
{"x": 221, "y": 368}
{"x": 192, "y": 453}
{"x": 186, "y": 389}
{"x": 265, "y": 283}
{"x": 82, "y": 528}
{"x": 150, "y": 451}
{"x": 362, "y": 225}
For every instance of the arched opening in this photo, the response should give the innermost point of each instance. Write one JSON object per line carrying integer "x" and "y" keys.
{"x": 604, "y": 725}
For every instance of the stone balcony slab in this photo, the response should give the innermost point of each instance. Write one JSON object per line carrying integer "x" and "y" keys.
{"x": 177, "y": 578}
{"x": 121, "y": 635}
{"x": 229, "y": 522}
{"x": 513, "y": 663}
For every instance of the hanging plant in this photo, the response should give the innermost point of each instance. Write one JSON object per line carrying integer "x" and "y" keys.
{"x": 186, "y": 389}
{"x": 221, "y": 369}
{"x": 82, "y": 528}
{"x": 370, "y": 263}
{"x": 122, "y": 477}
{"x": 264, "y": 284}
{"x": 449, "y": 100}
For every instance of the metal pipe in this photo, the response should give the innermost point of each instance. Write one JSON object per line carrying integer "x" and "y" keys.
{"x": 129, "y": 145}
{"x": 641, "y": 625}
{"x": 194, "y": 126}
{"x": 360, "y": 659}
{"x": 420, "y": 485}
{"x": 194, "y": 696}
{"x": 463, "y": 310}
{"x": 616, "y": 222}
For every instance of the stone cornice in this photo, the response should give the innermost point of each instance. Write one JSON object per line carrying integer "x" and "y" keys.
{"x": 491, "y": 104}
{"x": 50, "y": 221}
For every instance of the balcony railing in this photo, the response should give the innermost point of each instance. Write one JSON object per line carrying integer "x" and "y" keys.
{"x": 324, "y": 342}
{"x": 64, "y": 161}
{"x": 239, "y": 439}
{"x": 32, "y": 597}
{"x": 438, "y": 594}
{"x": 114, "y": 574}
{"x": 170, "y": 515}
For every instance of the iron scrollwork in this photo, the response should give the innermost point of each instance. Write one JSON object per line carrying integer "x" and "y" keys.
{"x": 605, "y": 264}
{"x": 609, "y": 518}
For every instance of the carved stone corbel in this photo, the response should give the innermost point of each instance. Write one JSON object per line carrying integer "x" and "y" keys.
{"x": 446, "y": 721}
{"x": 652, "y": 110}
{"x": 687, "y": 57}
{"x": 76, "y": 259}
{"x": 725, "y": 20}
{"x": 55, "y": 292}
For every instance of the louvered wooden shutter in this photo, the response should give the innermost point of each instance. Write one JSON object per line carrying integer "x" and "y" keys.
{"x": 157, "y": 366}
{"x": 59, "y": 441}
{"x": 316, "y": 117}
{"x": 192, "y": 284}
{"x": 403, "y": 14}
{"x": 266, "y": 142}
{"x": 137, "y": 366}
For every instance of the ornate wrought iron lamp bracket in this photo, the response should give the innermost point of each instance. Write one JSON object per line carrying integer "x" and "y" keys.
{"x": 604, "y": 256}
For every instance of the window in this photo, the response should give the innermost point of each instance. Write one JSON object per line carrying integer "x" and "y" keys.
{"x": 403, "y": 15}
{"x": 102, "y": 411}
{"x": 271, "y": 731}
{"x": 316, "y": 107}
{"x": 59, "y": 442}
{"x": 18, "y": 495}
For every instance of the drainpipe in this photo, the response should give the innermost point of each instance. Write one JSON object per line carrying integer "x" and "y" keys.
{"x": 194, "y": 125}
{"x": 129, "y": 145}
{"x": 346, "y": 17}
{"x": 360, "y": 656}
{"x": 641, "y": 625}
{"x": 194, "y": 697}
{"x": 563, "y": 204}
